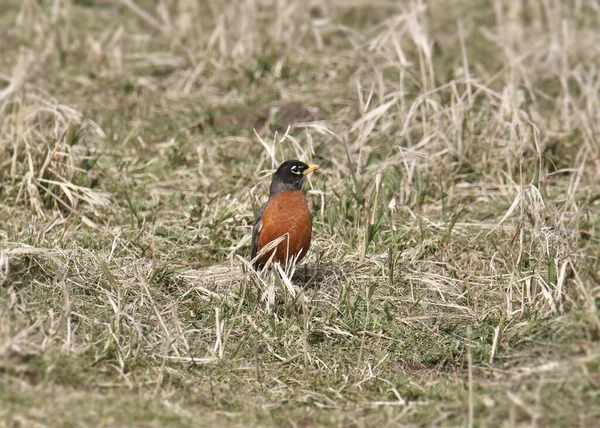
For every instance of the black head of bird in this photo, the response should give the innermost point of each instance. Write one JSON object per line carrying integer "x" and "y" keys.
{"x": 290, "y": 176}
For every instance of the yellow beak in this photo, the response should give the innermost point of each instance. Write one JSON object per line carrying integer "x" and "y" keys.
{"x": 310, "y": 169}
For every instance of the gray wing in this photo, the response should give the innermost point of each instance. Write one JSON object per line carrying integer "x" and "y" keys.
{"x": 256, "y": 229}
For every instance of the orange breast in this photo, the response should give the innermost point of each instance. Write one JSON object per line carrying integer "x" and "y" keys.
{"x": 287, "y": 214}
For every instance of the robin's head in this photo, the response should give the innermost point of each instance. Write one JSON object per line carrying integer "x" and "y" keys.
{"x": 290, "y": 176}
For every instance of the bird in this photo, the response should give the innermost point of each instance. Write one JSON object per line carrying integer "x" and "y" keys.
{"x": 285, "y": 214}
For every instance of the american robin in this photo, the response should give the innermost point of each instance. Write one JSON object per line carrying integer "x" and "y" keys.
{"x": 285, "y": 214}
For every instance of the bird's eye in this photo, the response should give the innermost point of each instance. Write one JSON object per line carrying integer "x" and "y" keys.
{"x": 296, "y": 170}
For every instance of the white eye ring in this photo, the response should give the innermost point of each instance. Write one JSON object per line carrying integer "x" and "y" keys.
{"x": 295, "y": 170}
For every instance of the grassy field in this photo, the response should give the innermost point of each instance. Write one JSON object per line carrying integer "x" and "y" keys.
{"x": 454, "y": 275}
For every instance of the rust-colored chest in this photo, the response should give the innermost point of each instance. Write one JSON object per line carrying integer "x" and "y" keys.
{"x": 286, "y": 215}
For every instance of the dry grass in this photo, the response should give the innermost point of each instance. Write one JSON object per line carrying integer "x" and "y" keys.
{"x": 454, "y": 276}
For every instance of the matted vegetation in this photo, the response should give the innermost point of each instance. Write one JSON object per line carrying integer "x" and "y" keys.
{"x": 454, "y": 274}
